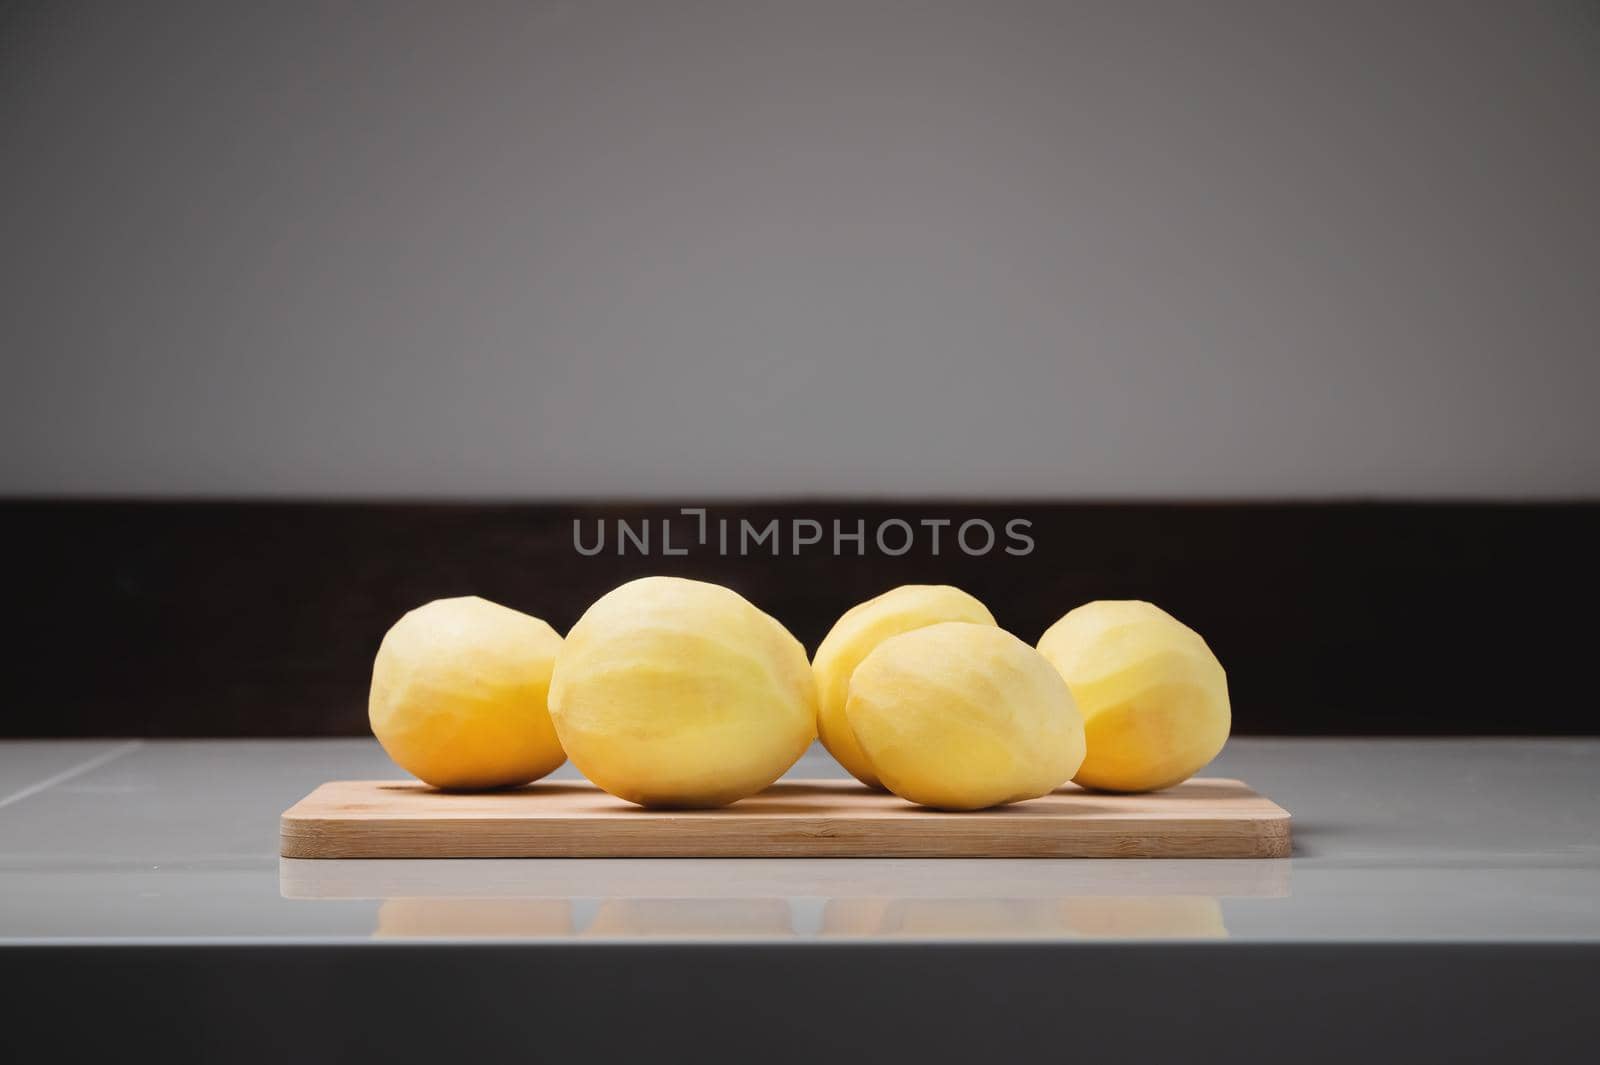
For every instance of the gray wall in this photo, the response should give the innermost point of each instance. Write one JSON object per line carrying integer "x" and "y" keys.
{"x": 702, "y": 249}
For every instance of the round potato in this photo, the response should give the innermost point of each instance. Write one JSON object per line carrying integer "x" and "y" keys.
{"x": 963, "y": 716}
{"x": 678, "y": 693}
{"x": 458, "y": 695}
{"x": 1153, "y": 696}
{"x": 854, "y": 636}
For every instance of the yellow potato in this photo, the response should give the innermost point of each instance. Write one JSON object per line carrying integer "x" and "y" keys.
{"x": 458, "y": 695}
{"x": 853, "y": 637}
{"x": 1153, "y": 696}
{"x": 671, "y": 692}
{"x": 962, "y": 716}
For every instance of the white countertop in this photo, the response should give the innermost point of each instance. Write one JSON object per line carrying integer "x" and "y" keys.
{"x": 1474, "y": 841}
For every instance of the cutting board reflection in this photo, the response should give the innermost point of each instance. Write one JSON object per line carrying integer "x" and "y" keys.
{"x": 1203, "y": 818}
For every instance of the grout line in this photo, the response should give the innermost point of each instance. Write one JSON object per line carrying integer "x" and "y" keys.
{"x": 78, "y": 770}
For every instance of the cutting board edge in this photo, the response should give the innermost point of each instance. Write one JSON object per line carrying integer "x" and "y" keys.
{"x": 1266, "y": 832}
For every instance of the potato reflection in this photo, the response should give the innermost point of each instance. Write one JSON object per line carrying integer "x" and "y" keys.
{"x": 1071, "y": 917}
{"x": 1145, "y": 917}
{"x": 692, "y": 917}
{"x": 1112, "y": 917}
{"x": 943, "y": 917}
{"x": 467, "y": 918}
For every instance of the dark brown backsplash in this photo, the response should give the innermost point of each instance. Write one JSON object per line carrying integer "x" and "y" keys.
{"x": 261, "y": 619}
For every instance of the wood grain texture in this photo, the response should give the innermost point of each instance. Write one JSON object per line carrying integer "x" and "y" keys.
{"x": 1203, "y": 818}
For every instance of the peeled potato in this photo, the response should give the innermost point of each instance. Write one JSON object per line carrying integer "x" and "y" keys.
{"x": 1153, "y": 696}
{"x": 853, "y": 637}
{"x": 458, "y": 695}
{"x": 671, "y": 692}
{"x": 962, "y": 716}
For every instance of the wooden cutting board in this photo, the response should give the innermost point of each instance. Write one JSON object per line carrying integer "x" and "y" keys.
{"x": 1204, "y": 818}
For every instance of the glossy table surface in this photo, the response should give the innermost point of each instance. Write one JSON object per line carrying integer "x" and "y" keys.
{"x": 1470, "y": 841}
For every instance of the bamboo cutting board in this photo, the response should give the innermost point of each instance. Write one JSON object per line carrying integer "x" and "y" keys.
{"x": 1205, "y": 818}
